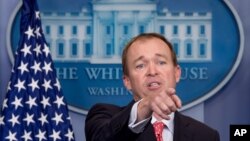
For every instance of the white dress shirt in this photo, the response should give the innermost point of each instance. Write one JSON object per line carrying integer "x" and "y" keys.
{"x": 168, "y": 130}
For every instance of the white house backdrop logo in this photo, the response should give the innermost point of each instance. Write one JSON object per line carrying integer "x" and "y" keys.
{"x": 86, "y": 39}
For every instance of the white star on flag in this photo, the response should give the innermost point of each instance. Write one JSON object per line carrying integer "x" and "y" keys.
{"x": 31, "y": 102}
{"x": 41, "y": 135}
{"x": 55, "y": 135}
{"x": 70, "y": 135}
{"x": 1, "y": 120}
{"x": 43, "y": 119}
{"x": 29, "y": 32}
{"x": 47, "y": 67}
{"x": 59, "y": 101}
{"x": 14, "y": 120}
{"x": 46, "y": 85}
{"x": 26, "y": 136}
{"x": 17, "y": 102}
{"x": 29, "y": 119}
{"x": 34, "y": 84}
{"x": 5, "y": 103}
{"x": 57, "y": 84}
{"x": 26, "y": 50}
{"x": 37, "y": 50}
{"x": 57, "y": 118}
{"x": 11, "y": 136}
{"x": 45, "y": 102}
{"x": 37, "y": 14}
{"x": 37, "y": 32}
{"x": 36, "y": 67}
{"x": 46, "y": 50}
{"x": 23, "y": 67}
{"x": 20, "y": 85}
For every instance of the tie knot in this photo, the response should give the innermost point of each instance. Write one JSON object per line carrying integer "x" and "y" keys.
{"x": 158, "y": 128}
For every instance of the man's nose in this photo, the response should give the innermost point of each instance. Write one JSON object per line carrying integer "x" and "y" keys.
{"x": 152, "y": 70}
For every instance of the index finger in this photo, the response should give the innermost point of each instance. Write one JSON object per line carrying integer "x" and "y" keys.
{"x": 177, "y": 100}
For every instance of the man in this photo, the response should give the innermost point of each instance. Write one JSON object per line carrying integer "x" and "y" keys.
{"x": 150, "y": 72}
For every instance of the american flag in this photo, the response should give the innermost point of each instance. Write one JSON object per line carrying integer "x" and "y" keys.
{"x": 34, "y": 108}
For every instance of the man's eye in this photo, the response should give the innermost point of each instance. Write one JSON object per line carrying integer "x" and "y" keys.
{"x": 162, "y": 62}
{"x": 140, "y": 66}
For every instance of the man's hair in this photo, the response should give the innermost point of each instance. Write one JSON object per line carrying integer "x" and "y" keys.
{"x": 145, "y": 36}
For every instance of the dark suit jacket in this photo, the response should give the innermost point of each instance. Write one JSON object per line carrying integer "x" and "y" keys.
{"x": 106, "y": 122}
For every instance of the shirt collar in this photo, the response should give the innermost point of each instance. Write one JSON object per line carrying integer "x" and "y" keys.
{"x": 168, "y": 123}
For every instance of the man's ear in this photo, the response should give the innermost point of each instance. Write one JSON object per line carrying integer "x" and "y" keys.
{"x": 126, "y": 82}
{"x": 177, "y": 73}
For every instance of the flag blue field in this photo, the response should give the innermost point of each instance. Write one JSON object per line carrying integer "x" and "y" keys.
{"x": 34, "y": 108}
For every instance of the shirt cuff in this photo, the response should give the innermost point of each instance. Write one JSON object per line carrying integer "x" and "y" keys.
{"x": 139, "y": 126}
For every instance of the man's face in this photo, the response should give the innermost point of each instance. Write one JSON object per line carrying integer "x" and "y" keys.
{"x": 150, "y": 68}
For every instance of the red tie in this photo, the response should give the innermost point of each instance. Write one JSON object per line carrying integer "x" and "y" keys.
{"x": 158, "y": 128}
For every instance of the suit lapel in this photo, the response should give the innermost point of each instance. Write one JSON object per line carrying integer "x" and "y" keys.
{"x": 181, "y": 132}
{"x": 148, "y": 134}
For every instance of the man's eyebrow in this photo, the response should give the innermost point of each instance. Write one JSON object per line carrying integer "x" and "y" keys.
{"x": 142, "y": 57}
{"x": 139, "y": 58}
{"x": 161, "y": 55}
